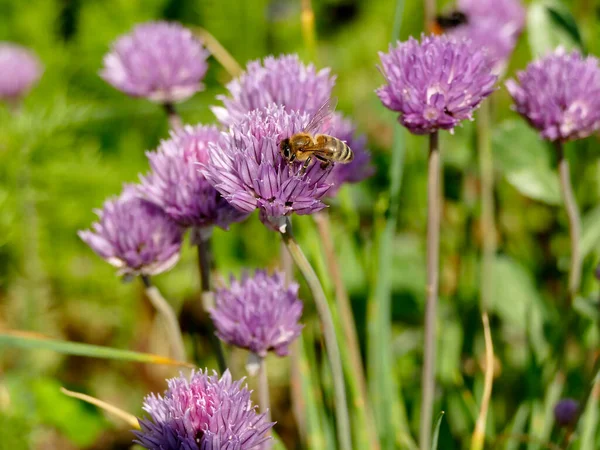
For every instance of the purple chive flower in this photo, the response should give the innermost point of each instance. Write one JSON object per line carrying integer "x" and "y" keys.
{"x": 20, "y": 69}
{"x": 259, "y": 313}
{"x": 494, "y": 25}
{"x": 559, "y": 95}
{"x": 284, "y": 80}
{"x": 360, "y": 167}
{"x": 177, "y": 185}
{"x": 434, "y": 84}
{"x": 134, "y": 235}
{"x": 247, "y": 168}
{"x": 204, "y": 412}
{"x": 566, "y": 412}
{"x": 161, "y": 61}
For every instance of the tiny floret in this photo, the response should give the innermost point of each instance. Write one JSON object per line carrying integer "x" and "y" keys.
{"x": 177, "y": 185}
{"x": 20, "y": 69}
{"x": 283, "y": 80}
{"x": 566, "y": 412}
{"x": 247, "y": 167}
{"x": 204, "y": 412}
{"x": 161, "y": 61}
{"x": 259, "y": 313}
{"x": 134, "y": 235}
{"x": 559, "y": 95}
{"x": 434, "y": 84}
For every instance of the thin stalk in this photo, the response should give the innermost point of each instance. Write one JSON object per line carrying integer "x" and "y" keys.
{"x": 478, "y": 438}
{"x": 164, "y": 309}
{"x": 333, "y": 351}
{"x": 433, "y": 244}
{"x": 263, "y": 394}
{"x": 219, "y": 52}
{"x": 201, "y": 238}
{"x": 307, "y": 20}
{"x": 175, "y": 121}
{"x": 574, "y": 221}
{"x": 488, "y": 227}
{"x": 347, "y": 319}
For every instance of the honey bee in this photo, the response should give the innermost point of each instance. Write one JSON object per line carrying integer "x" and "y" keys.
{"x": 306, "y": 145}
{"x": 449, "y": 21}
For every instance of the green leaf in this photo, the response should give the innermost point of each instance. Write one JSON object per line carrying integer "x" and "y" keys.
{"x": 22, "y": 339}
{"x": 544, "y": 34}
{"x": 590, "y": 418}
{"x": 587, "y": 307}
{"x": 436, "y": 432}
{"x": 516, "y": 428}
{"x": 590, "y": 232}
{"x": 525, "y": 161}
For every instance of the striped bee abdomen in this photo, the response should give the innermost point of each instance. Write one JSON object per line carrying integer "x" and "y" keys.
{"x": 339, "y": 151}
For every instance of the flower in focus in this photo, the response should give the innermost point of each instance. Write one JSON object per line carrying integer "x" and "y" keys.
{"x": 177, "y": 185}
{"x": 559, "y": 95}
{"x": 492, "y": 24}
{"x": 566, "y": 411}
{"x": 247, "y": 168}
{"x": 161, "y": 61}
{"x": 434, "y": 84}
{"x": 284, "y": 80}
{"x": 258, "y": 313}
{"x": 360, "y": 167}
{"x": 134, "y": 235}
{"x": 205, "y": 412}
{"x": 20, "y": 69}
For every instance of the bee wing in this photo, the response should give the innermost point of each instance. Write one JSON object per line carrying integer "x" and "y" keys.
{"x": 322, "y": 114}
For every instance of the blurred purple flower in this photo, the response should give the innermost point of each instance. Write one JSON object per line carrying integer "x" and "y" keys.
{"x": 20, "y": 69}
{"x": 134, "y": 235}
{"x": 360, "y": 167}
{"x": 559, "y": 95}
{"x": 202, "y": 413}
{"x": 494, "y": 25}
{"x": 566, "y": 412}
{"x": 161, "y": 61}
{"x": 259, "y": 313}
{"x": 434, "y": 84}
{"x": 176, "y": 183}
{"x": 247, "y": 168}
{"x": 284, "y": 80}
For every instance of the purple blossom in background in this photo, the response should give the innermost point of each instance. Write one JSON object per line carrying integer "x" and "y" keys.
{"x": 559, "y": 95}
{"x": 202, "y": 413}
{"x": 360, "y": 167}
{"x": 259, "y": 313}
{"x": 247, "y": 168}
{"x": 284, "y": 80}
{"x": 494, "y": 25}
{"x": 161, "y": 61}
{"x": 134, "y": 235}
{"x": 177, "y": 185}
{"x": 566, "y": 412}
{"x": 434, "y": 84}
{"x": 20, "y": 69}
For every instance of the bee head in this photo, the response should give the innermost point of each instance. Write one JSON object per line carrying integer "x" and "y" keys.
{"x": 286, "y": 150}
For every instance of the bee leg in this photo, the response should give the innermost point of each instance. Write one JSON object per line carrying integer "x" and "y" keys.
{"x": 302, "y": 170}
{"x": 325, "y": 164}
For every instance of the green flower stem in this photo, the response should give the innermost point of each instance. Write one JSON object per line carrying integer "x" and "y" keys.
{"x": 175, "y": 121}
{"x": 166, "y": 311}
{"x": 574, "y": 221}
{"x": 263, "y": 394}
{"x": 433, "y": 244}
{"x": 333, "y": 351}
{"x": 201, "y": 238}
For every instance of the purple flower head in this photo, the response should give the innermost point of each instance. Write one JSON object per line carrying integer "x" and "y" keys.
{"x": 176, "y": 183}
{"x": 259, "y": 313}
{"x": 434, "y": 84}
{"x": 360, "y": 167}
{"x": 566, "y": 411}
{"x": 20, "y": 69}
{"x": 494, "y": 25}
{"x": 203, "y": 413}
{"x": 160, "y": 61}
{"x": 134, "y": 235}
{"x": 247, "y": 168}
{"x": 284, "y": 80}
{"x": 559, "y": 95}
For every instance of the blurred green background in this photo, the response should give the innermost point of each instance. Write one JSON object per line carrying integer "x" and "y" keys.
{"x": 77, "y": 140}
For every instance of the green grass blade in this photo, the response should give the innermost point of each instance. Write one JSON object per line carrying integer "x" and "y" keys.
{"x": 27, "y": 340}
{"x": 436, "y": 432}
{"x": 589, "y": 426}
